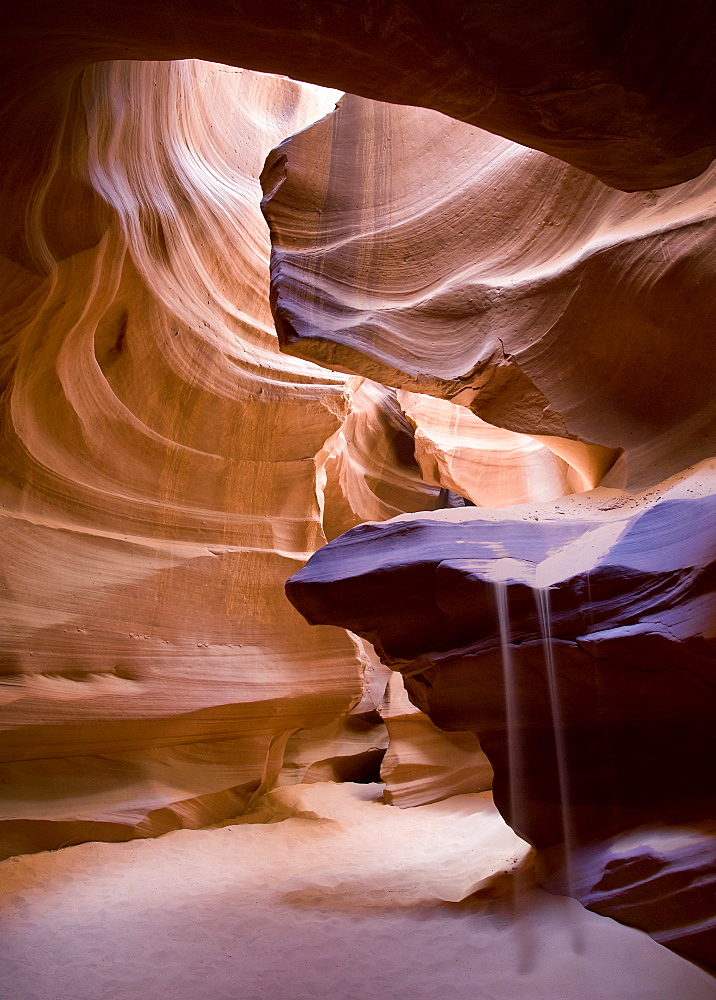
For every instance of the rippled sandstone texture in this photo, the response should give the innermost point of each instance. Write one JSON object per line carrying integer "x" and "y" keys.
{"x": 630, "y": 589}
{"x": 163, "y": 470}
{"x": 435, "y": 257}
{"x": 137, "y": 685}
{"x": 487, "y": 465}
{"x": 420, "y": 252}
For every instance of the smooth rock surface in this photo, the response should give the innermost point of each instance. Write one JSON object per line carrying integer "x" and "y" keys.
{"x": 164, "y": 468}
{"x": 431, "y": 256}
{"x": 159, "y": 474}
{"x": 368, "y": 469}
{"x": 487, "y": 465}
{"x": 631, "y": 635}
{"x": 661, "y": 876}
{"x": 622, "y": 92}
{"x": 423, "y": 763}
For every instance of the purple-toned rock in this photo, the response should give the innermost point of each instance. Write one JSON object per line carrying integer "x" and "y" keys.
{"x": 628, "y": 583}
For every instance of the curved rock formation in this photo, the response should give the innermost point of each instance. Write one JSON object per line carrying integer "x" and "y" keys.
{"x": 158, "y": 476}
{"x": 622, "y": 92}
{"x": 609, "y": 644}
{"x": 437, "y": 258}
{"x": 490, "y": 466}
{"x": 423, "y": 763}
{"x": 421, "y": 253}
{"x": 350, "y": 749}
{"x": 367, "y": 470}
{"x": 164, "y": 469}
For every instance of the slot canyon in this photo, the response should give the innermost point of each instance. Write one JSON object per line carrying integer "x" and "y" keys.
{"x": 358, "y": 500}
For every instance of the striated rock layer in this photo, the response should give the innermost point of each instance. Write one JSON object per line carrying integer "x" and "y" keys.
{"x": 152, "y": 500}
{"x": 159, "y": 473}
{"x": 431, "y": 256}
{"x": 488, "y": 465}
{"x": 423, "y": 763}
{"x": 591, "y": 691}
{"x": 164, "y": 468}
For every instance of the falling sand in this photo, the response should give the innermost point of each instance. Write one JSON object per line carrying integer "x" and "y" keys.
{"x": 323, "y": 892}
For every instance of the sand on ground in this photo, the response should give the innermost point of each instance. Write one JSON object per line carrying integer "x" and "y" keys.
{"x": 324, "y": 892}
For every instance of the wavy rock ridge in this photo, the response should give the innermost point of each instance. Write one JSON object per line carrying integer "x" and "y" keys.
{"x": 164, "y": 469}
{"x": 153, "y": 502}
{"x": 428, "y": 255}
{"x": 419, "y": 252}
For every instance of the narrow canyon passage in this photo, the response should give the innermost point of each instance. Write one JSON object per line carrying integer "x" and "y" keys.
{"x": 357, "y": 534}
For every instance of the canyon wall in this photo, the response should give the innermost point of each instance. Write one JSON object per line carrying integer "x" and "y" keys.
{"x": 574, "y": 638}
{"x": 153, "y": 501}
{"x": 623, "y": 92}
{"x": 158, "y": 473}
{"x": 443, "y": 260}
{"x": 164, "y": 469}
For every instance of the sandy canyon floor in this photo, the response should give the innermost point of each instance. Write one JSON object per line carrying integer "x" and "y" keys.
{"x": 324, "y": 892}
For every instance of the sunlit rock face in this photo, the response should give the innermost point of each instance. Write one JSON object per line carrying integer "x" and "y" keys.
{"x": 432, "y": 256}
{"x": 368, "y": 469}
{"x": 627, "y": 582}
{"x": 488, "y": 465}
{"x": 622, "y": 92}
{"x": 462, "y": 268}
{"x": 163, "y": 469}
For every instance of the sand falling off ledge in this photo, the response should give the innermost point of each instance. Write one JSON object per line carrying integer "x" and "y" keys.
{"x": 324, "y": 892}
